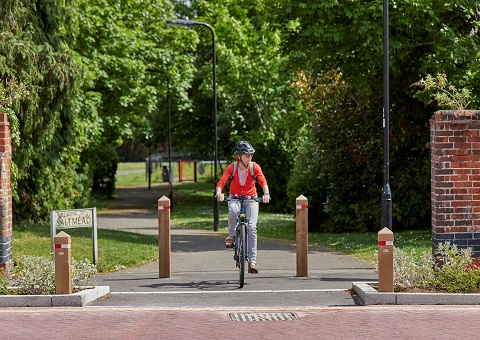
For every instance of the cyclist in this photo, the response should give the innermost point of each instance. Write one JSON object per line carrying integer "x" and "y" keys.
{"x": 243, "y": 183}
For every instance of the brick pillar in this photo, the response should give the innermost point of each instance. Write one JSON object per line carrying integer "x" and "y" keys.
{"x": 455, "y": 178}
{"x": 5, "y": 193}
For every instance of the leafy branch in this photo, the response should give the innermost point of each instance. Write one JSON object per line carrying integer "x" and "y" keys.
{"x": 10, "y": 93}
{"x": 445, "y": 93}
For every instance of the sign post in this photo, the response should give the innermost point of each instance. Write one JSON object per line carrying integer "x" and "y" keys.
{"x": 75, "y": 218}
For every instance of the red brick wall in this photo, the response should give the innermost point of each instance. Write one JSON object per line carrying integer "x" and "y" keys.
{"x": 5, "y": 193}
{"x": 455, "y": 178}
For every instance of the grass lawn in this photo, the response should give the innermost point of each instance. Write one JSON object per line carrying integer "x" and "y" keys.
{"x": 193, "y": 208}
{"x": 116, "y": 249}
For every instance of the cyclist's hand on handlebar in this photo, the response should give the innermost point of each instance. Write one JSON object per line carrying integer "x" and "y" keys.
{"x": 220, "y": 197}
{"x": 266, "y": 198}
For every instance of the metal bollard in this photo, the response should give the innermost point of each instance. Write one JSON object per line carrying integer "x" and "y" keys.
{"x": 302, "y": 235}
{"x": 164, "y": 242}
{"x": 385, "y": 260}
{"x": 63, "y": 263}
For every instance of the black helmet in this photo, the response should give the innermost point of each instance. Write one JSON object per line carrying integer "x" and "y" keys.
{"x": 244, "y": 147}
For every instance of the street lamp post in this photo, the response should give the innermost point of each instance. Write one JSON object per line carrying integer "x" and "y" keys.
{"x": 386, "y": 192}
{"x": 170, "y": 173}
{"x": 190, "y": 24}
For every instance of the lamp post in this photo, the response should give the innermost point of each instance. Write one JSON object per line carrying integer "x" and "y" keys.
{"x": 191, "y": 24}
{"x": 386, "y": 192}
{"x": 149, "y": 166}
{"x": 170, "y": 173}
{"x": 170, "y": 179}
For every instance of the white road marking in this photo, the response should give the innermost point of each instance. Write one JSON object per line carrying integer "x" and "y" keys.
{"x": 231, "y": 291}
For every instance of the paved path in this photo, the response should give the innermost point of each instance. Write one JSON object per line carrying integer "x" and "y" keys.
{"x": 204, "y": 274}
{"x": 202, "y": 300}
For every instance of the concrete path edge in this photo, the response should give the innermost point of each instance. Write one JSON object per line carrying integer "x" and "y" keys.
{"x": 79, "y": 299}
{"x": 370, "y": 296}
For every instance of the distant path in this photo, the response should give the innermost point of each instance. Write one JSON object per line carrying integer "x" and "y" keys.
{"x": 133, "y": 210}
{"x": 126, "y": 172}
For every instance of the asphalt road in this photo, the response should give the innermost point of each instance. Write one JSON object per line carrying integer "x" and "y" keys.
{"x": 204, "y": 273}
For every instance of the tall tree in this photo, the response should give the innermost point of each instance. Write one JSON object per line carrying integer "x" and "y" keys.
{"x": 253, "y": 88}
{"x": 46, "y": 168}
{"x": 129, "y": 56}
{"x": 346, "y": 36}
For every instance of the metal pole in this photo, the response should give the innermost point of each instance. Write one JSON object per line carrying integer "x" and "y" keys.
{"x": 170, "y": 184}
{"x": 149, "y": 166}
{"x": 216, "y": 204}
{"x": 190, "y": 24}
{"x": 386, "y": 192}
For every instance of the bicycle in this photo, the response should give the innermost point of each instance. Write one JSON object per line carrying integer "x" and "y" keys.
{"x": 240, "y": 243}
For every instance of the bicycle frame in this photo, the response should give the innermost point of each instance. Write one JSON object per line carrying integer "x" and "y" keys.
{"x": 241, "y": 234}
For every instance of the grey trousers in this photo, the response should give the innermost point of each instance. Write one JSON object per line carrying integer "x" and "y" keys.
{"x": 252, "y": 217}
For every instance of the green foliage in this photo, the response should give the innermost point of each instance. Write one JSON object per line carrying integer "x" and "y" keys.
{"x": 445, "y": 92}
{"x": 455, "y": 270}
{"x": 10, "y": 93}
{"x": 4, "y": 283}
{"x": 96, "y": 73}
{"x": 36, "y": 275}
{"x": 84, "y": 65}
{"x": 339, "y": 161}
{"x": 346, "y": 124}
{"x": 129, "y": 57}
{"x": 253, "y": 89}
{"x": 451, "y": 269}
{"x": 47, "y": 132}
{"x": 103, "y": 164}
{"x": 306, "y": 179}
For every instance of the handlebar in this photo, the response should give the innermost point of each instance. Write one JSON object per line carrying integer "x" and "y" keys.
{"x": 243, "y": 198}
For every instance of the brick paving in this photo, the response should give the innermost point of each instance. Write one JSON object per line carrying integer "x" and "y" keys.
{"x": 380, "y": 322}
{"x": 155, "y": 319}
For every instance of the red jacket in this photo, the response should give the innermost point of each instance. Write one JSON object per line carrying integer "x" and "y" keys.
{"x": 249, "y": 188}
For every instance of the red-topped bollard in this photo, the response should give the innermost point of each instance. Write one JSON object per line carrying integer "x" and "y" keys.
{"x": 63, "y": 263}
{"x": 164, "y": 242}
{"x": 385, "y": 260}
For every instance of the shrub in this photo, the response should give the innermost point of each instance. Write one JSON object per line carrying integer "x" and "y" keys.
{"x": 450, "y": 269}
{"x": 410, "y": 273}
{"x": 3, "y": 284}
{"x": 103, "y": 163}
{"x": 454, "y": 271}
{"x": 35, "y": 275}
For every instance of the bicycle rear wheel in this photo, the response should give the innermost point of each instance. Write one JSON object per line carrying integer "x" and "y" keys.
{"x": 241, "y": 254}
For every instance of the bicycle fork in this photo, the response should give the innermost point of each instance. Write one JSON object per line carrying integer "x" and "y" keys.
{"x": 235, "y": 242}
{"x": 241, "y": 223}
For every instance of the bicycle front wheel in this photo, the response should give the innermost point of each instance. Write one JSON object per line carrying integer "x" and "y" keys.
{"x": 242, "y": 256}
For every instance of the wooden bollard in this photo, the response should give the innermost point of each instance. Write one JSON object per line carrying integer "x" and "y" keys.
{"x": 164, "y": 242}
{"x": 385, "y": 260}
{"x": 302, "y": 235}
{"x": 63, "y": 263}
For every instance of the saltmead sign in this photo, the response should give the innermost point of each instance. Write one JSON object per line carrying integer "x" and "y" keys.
{"x": 75, "y": 218}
